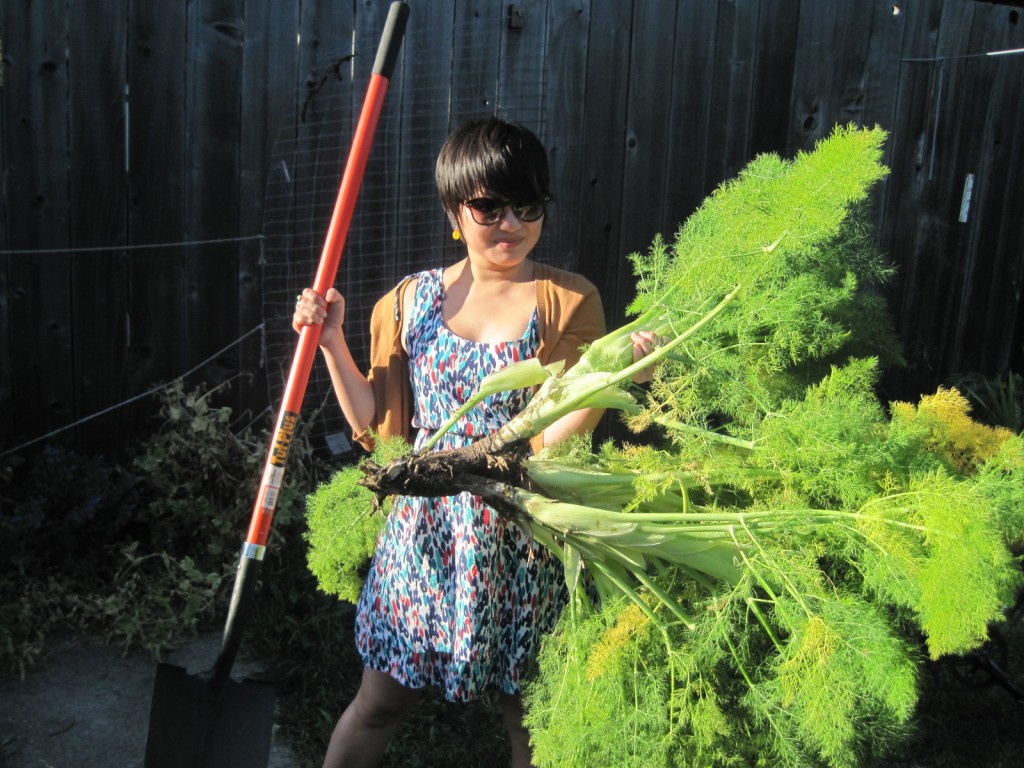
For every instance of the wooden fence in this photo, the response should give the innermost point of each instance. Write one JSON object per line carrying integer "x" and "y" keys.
{"x": 168, "y": 168}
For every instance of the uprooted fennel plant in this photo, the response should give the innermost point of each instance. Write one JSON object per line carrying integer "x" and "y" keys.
{"x": 760, "y": 584}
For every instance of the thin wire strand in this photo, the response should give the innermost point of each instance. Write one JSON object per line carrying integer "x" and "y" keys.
{"x": 109, "y": 248}
{"x": 130, "y": 400}
{"x": 1006, "y": 52}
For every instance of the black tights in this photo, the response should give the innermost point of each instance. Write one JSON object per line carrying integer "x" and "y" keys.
{"x": 372, "y": 719}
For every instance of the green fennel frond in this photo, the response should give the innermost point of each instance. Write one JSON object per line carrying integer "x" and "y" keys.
{"x": 343, "y": 525}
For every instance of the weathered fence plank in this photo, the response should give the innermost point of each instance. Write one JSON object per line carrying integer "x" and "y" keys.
{"x": 475, "y": 58}
{"x": 602, "y": 147}
{"x": 521, "y": 89}
{"x": 647, "y": 135}
{"x": 565, "y": 62}
{"x": 733, "y": 78}
{"x": 810, "y": 75}
{"x": 157, "y": 348}
{"x": 882, "y": 68}
{"x": 36, "y": 153}
{"x": 421, "y": 96}
{"x": 851, "y": 36}
{"x": 956, "y": 157}
{"x": 99, "y": 280}
{"x": 992, "y": 108}
{"x": 522, "y": 74}
{"x": 374, "y": 236}
{"x": 881, "y": 84}
{"x": 905, "y": 233}
{"x": 212, "y": 109}
{"x": 777, "y": 34}
{"x": 1002, "y": 235}
{"x": 686, "y": 156}
{"x": 269, "y": 78}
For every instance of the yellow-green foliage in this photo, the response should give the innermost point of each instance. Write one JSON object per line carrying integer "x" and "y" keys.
{"x": 1000, "y": 480}
{"x": 841, "y": 672}
{"x": 790, "y": 235}
{"x": 851, "y": 531}
{"x": 850, "y": 541}
{"x": 947, "y": 430}
{"x": 343, "y": 526}
{"x": 962, "y": 539}
{"x": 852, "y": 535}
{"x": 607, "y": 654}
{"x": 584, "y": 713}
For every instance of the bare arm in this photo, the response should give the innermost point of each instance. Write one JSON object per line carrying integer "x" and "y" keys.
{"x": 353, "y": 390}
{"x": 576, "y": 423}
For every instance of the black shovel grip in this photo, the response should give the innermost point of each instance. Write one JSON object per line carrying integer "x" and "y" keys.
{"x": 391, "y": 40}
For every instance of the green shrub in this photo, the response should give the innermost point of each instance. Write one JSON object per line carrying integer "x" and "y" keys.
{"x": 140, "y": 550}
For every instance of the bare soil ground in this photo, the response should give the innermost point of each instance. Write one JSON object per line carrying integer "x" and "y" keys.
{"x": 86, "y": 705}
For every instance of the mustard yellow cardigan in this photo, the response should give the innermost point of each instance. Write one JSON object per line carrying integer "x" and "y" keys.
{"x": 569, "y": 312}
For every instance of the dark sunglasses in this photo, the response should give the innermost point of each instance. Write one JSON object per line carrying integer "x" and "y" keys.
{"x": 490, "y": 210}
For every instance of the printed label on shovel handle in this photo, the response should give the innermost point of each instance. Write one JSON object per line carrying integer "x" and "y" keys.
{"x": 270, "y": 485}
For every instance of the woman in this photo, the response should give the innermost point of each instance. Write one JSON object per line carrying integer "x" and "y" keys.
{"x": 457, "y": 597}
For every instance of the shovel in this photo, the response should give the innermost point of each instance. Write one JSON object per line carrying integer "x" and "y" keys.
{"x": 210, "y": 720}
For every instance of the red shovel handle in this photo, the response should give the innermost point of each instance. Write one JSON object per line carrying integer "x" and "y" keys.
{"x": 295, "y": 389}
{"x": 251, "y": 561}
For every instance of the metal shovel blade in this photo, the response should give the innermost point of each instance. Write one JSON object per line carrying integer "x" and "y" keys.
{"x": 197, "y": 723}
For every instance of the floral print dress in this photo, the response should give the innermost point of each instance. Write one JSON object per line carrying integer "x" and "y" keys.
{"x": 456, "y": 596}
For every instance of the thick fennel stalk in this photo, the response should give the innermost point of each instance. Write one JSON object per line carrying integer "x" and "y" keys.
{"x": 594, "y": 382}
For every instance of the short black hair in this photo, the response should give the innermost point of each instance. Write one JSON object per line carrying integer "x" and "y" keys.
{"x": 489, "y": 154}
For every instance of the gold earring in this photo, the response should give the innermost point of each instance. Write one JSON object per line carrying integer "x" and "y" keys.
{"x": 456, "y": 235}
